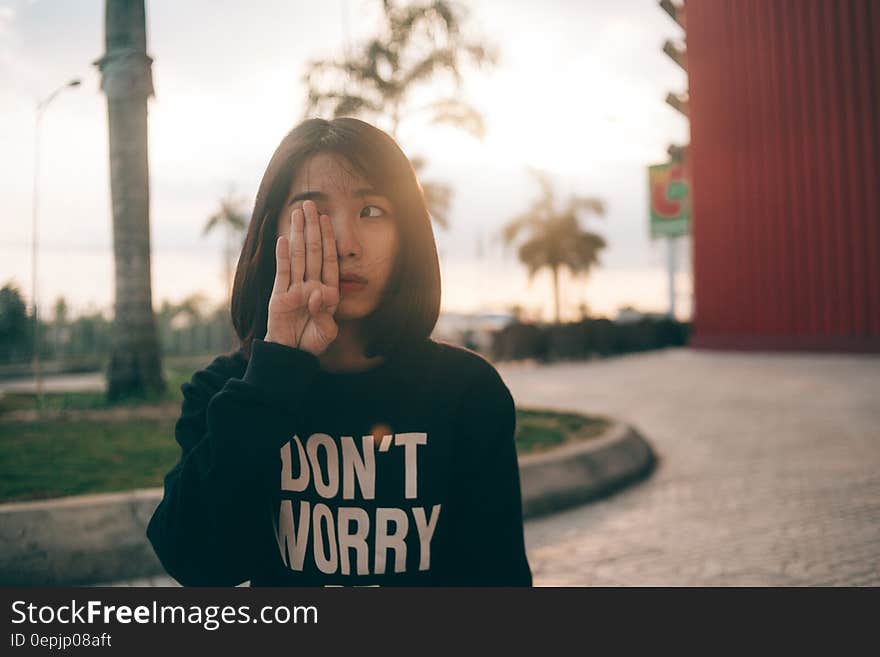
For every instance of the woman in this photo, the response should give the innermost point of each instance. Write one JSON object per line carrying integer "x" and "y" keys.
{"x": 341, "y": 445}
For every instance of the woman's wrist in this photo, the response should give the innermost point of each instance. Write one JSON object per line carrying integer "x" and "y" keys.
{"x": 271, "y": 338}
{"x": 279, "y": 370}
{"x": 285, "y": 343}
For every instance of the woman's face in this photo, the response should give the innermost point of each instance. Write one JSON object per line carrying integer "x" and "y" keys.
{"x": 363, "y": 224}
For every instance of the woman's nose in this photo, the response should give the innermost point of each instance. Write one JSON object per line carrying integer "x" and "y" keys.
{"x": 346, "y": 233}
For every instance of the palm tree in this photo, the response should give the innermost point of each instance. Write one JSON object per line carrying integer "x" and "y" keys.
{"x": 183, "y": 315}
{"x": 127, "y": 81}
{"x": 419, "y": 43}
{"x": 59, "y": 328}
{"x": 15, "y": 339}
{"x": 231, "y": 217}
{"x": 554, "y": 237}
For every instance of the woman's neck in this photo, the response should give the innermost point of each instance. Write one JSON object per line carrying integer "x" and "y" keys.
{"x": 346, "y": 352}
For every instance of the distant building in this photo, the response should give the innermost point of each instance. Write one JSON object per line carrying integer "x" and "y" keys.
{"x": 629, "y": 315}
{"x": 472, "y": 330}
{"x": 785, "y": 155}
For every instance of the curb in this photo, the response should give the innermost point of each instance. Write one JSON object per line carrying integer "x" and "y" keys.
{"x": 83, "y": 539}
{"x": 582, "y": 471}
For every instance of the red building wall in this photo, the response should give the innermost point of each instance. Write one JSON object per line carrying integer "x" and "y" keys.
{"x": 785, "y": 160}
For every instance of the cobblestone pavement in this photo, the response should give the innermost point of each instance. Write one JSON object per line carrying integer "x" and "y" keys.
{"x": 769, "y": 471}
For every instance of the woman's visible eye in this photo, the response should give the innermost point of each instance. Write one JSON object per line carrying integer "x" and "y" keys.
{"x": 375, "y": 207}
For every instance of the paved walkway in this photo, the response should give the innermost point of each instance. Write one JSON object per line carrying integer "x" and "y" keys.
{"x": 90, "y": 381}
{"x": 769, "y": 471}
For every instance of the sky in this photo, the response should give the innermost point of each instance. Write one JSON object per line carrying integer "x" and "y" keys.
{"x": 578, "y": 92}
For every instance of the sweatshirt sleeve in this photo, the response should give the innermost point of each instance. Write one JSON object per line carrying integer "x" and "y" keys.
{"x": 204, "y": 529}
{"x": 488, "y": 536}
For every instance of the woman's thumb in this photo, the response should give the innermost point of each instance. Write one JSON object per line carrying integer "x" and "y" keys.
{"x": 326, "y": 326}
{"x": 315, "y": 301}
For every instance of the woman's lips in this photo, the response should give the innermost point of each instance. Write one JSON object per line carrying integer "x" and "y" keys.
{"x": 351, "y": 286}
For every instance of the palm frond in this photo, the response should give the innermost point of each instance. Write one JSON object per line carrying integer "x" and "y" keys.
{"x": 533, "y": 254}
{"x": 436, "y": 60}
{"x": 518, "y": 224}
{"x": 420, "y": 41}
{"x": 582, "y": 251}
{"x": 438, "y": 197}
{"x": 458, "y": 113}
{"x": 482, "y": 54}
{"x": 546, "y": 185}
{"x": 212, "y": 223}
{"x": 231, "y": 215}
{"x": 587, "y": 203}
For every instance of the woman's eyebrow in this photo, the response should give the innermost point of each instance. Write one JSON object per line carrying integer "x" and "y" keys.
{"x": 309, "y": 196}
{"x": 321, "y": 196}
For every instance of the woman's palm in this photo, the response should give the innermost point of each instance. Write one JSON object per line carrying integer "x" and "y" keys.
{"x": 310, "y": 332}
{"x": 306, "y": 291}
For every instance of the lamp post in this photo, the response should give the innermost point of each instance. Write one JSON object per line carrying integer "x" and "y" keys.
{"x": 41, "y": 108}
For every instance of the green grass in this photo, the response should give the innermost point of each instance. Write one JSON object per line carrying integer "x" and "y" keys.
{"x": 538, "y": 430}
{"x": 69, "y": 456}
{"x": 93, "y": 400}
{"x": 59, "y": 457}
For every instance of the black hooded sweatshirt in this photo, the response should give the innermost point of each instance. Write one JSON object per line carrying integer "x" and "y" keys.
{"x": 404, "y": 474}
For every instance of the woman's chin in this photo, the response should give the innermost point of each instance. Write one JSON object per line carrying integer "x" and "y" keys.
{"x": 350, "y": 310}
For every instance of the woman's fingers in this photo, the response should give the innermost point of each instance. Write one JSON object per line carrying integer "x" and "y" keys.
{"x": 330, "y": 270}
{"x": 297, "y": 246}
{"x": 282, "y": 265}
{"x": 313, "y": 242}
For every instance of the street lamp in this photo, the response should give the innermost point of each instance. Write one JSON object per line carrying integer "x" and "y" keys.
{"x": 41, "y": 108}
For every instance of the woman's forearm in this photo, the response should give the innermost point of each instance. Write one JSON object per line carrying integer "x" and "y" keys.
{"x": 204, "y": 529}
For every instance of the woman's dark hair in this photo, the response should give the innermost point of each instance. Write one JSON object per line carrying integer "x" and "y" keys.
{"x": 410, "y": 304}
